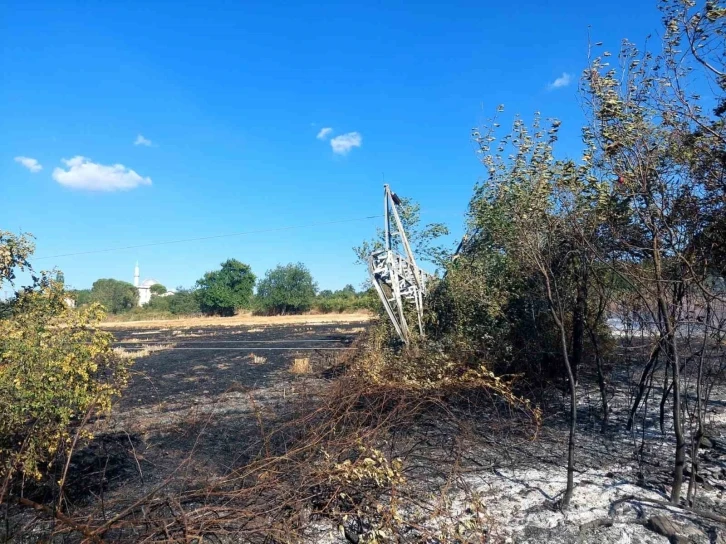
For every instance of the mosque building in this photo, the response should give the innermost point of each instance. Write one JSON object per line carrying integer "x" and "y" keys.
{"x": 144, "y": 288}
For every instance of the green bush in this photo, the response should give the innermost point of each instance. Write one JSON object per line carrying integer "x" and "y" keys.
{"x": 55, "y": 367}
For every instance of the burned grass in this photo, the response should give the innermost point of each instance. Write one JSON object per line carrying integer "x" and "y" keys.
{"x": 312, "y": 459}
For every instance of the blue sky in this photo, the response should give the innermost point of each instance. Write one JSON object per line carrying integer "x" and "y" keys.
{"x": 229, "y": 98}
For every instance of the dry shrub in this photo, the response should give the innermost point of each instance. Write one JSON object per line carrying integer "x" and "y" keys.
{"x": 300, "y": 365}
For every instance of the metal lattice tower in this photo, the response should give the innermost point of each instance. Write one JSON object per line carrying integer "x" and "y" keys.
{"x": 396, "y": 277}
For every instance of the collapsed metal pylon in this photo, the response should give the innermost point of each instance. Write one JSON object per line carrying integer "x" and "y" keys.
{"x": 396, "y": 277}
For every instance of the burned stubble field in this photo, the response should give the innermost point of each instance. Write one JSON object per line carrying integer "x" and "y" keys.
{"x": 193, "y": 410}
{"x": 174, "y": 456}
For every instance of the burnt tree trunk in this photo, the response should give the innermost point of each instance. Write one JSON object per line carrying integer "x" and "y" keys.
{"x": 557, "y": 316}
{"x": 578, "y": 318}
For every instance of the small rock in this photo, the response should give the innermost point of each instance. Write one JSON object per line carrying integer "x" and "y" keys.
{"x": 706, "y": 443}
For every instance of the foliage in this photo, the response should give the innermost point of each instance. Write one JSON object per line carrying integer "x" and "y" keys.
{"x": 372, "y": 467}
{"x": 184, "y": 302}
{"x": 157, "y": 289}
{"x": 156, "y": 304}
{"x": 14, "y": 253}
{"x": 81, "y": 296}
{"x": 286, "y": 289}
{"x": 56, "y": 366}
{"x": 227, "y": 290}
{"x": 346, "y": 300}
{"x": 114, "y": 295}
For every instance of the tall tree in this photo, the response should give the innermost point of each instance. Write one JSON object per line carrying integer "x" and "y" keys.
{"x": 224, "y": 291}
{"x": 114, "y": 295}
{"x": 531, "y": 209}
{"x": 286, "y": 289}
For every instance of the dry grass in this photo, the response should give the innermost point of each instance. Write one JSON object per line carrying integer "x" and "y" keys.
{"x": 355, "y": 330}
{"x": 330, "y": 452}
{"x": 243, "y": 319}
{"x": 300, "y": 366}
{"x": 138, "y": 353}
{"x": 257, "y": 359}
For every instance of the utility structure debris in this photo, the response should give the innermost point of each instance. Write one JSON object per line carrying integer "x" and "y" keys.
{"x": 396, "y": 277}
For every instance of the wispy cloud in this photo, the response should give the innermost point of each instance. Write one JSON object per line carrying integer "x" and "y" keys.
{"x": 30, "y": 163}
{"x": 140, "y": 140}
{"x": 324, "y": 133}
{"x": 563, "y": 81}
{"x": 345, "y": 142}
{"x": 82, "y": 173}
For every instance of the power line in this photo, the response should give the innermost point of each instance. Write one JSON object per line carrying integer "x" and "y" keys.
{"x": 259, "y": 231}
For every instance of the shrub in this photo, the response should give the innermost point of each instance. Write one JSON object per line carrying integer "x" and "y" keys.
{"x": 56, "y": 366}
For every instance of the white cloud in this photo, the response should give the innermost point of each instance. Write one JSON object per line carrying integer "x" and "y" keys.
{"x": 140, "y": 140}
{"x": 324, "y": 133}
{"x": 31, "y": 164}
{"x": 91, "y": 176}
{"x": 345, "y": 142}
{"x": 563, "y": 81}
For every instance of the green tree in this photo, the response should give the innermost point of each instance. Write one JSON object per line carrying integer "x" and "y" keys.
{"x": 286, "y": 289}
{"x": 114, "y": 295}
{"x": 531, "y": 209}
{"x": 157, "y": 289}
{"x": 81, "y": 296}
{"x": 158, "y": 304}
{"x": 346, "y": 292}
{"x": 224, "y": 291}
{"x": 184, "y": 302}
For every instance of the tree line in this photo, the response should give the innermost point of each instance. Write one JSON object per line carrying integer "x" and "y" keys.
{"x": 284, "y": 289}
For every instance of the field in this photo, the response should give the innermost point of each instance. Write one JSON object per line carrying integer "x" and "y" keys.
{"x": 241, "y": 320}
{"x": 202, "y": 399}
{"x": 195, "y": 402}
